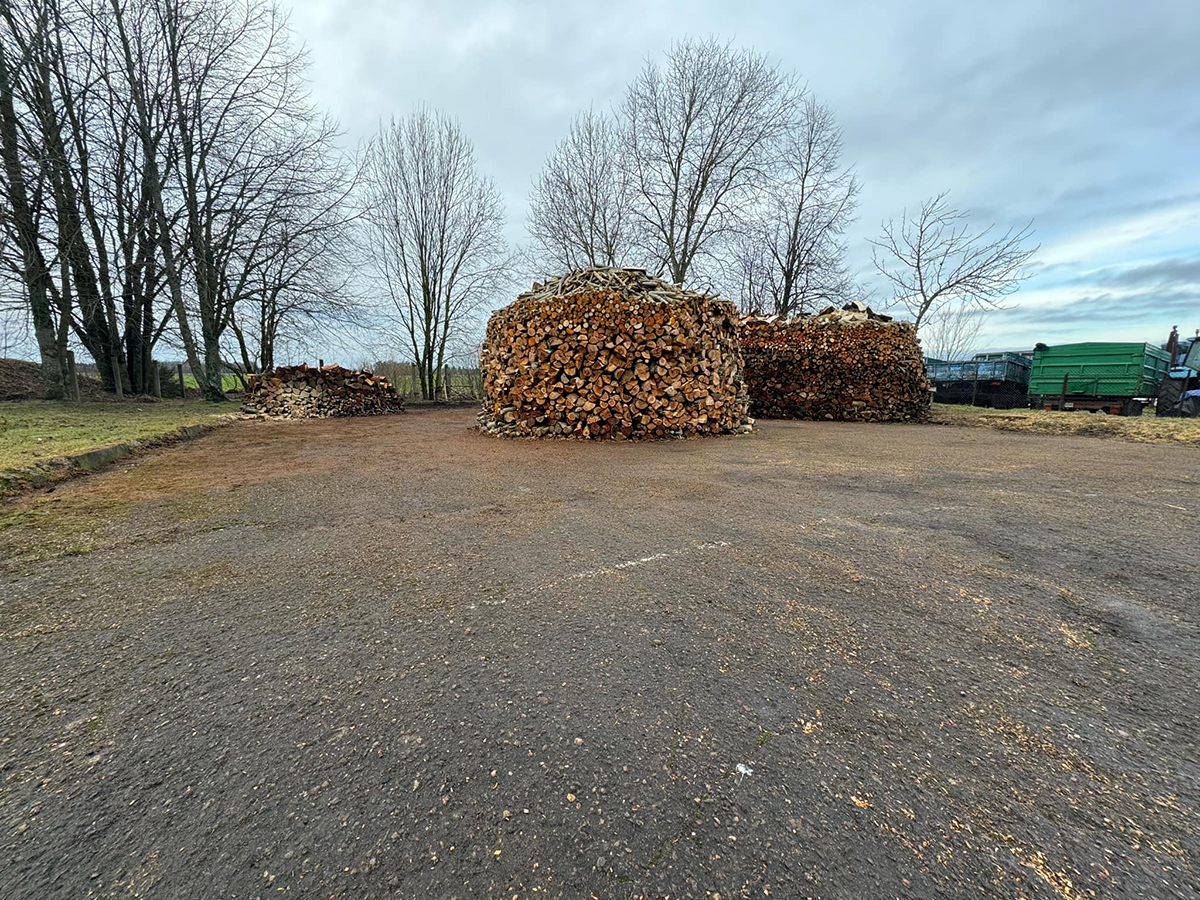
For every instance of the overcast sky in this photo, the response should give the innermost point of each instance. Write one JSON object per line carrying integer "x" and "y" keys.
{"x": 1082, "y": 116}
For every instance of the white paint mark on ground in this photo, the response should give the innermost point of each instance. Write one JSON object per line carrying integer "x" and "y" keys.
{"x": 633, "y": 563}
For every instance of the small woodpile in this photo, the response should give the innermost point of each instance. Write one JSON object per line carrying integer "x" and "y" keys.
{"x": 613, "y": 353}
{"x": 298, "y": 392}
{"x": 850, "y": 364}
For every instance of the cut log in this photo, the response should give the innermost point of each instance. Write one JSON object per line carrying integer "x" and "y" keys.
{"x": 298, "y": 392}
{"x": 848, "y": 364}
{"x": 613, "y": 353}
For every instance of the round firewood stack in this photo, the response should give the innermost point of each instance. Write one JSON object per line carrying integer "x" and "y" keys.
{"x": 849, "y": 364}
{"x": 300, "y": 392}
{"x": 613, "y": 353}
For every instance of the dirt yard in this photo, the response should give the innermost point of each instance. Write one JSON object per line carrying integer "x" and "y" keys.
{"x": 395, "y": 658}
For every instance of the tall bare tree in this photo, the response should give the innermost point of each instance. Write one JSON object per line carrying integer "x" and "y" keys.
{"x": 240, "y": 111}
{"x": 162, "y": 169}
{"x": 578, "y": 208}
{"x": 952, "y": 331}
{"x": 700, "y": 135}
{"x": 791, "y": 255}
{"x": 934, "y": 258}
{"x": 296, "y": 274}
{"x": 435, "y": 228}
{"x": 20, "y": 219}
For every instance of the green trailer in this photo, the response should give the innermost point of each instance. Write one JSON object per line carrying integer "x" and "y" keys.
{"x": 1116, "y": 378}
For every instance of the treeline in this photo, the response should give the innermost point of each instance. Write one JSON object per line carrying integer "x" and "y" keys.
{"x": 166, "y": 180}
{"x": 720, "y": 169}
{"x": 717, "y": 168}
{"x": 167, "y": 183}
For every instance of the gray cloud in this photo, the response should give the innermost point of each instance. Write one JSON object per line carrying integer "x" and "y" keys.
{"x": 1080, "y": 115}
{"x": 1118, "y": 311}
{"x": 1170, "y": 273}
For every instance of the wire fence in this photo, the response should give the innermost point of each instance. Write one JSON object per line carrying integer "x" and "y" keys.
{"x": 458, "y": 383}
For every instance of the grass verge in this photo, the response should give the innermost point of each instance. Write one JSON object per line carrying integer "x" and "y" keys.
{"x": 32, "y": 431}
{"x": 1147, "y": 429}
{"x": 229, "y": 382}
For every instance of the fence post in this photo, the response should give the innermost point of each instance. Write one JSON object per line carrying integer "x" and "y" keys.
{"x": 975, "y": 386}
{"x": 72, "y": 375}
{"x": 155, "y": 379}
{"x": 116, "y": 370}
{"x": 1062, "y": 402}
{"x": 320, "y": 363}
{"x": 182, "y": 389}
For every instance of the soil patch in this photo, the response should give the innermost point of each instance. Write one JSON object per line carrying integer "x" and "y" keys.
{"x": 394, "y": 657}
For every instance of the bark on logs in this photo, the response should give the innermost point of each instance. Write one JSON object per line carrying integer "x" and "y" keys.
{"x": 613, "y": 353}
{"x": 849, "y": 364}
{"x": 299, "y": 392}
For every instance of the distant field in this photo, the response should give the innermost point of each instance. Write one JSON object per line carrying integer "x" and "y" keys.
{"x": 1143, "y": 429}
{"x": 229, "y": 382}
{"x": 36, "y": 430}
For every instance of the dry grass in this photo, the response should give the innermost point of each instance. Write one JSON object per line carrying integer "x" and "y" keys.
{"x": 1146, "y": 429}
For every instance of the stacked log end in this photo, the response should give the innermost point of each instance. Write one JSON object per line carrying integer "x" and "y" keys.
{"x": 847, "y": 364}
{"x": 300, "y": 392}
{"x": 613, "y": 353}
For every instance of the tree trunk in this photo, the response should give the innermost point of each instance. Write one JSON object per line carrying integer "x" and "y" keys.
{"x": 154, "y": 181}
{"x": 34, "y": 271}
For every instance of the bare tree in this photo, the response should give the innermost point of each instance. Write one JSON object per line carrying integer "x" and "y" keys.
{"x": 578, "y": 208}
{"x": 699, "y": 138}
{"x": 20, "y": 218}
{"x": 934, "y": 258}
{"x": 790, "y": 256}
{"x": 297, "y": 277}
{"x": 435, "y": 228}
{"x": 286, "y": 267}
{"x": 163, "y": 170}
{"x": 951, "y": 332}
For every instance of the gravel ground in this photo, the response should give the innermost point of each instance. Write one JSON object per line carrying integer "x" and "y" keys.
{"x": 395, "y": 658}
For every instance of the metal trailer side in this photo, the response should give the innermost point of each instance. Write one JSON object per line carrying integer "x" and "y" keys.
{"x": 1100, "y": 376}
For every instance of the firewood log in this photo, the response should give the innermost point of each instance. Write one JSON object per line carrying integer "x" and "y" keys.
{"x": 613, "y": 353}
{"x": 298, "y": 392}
{"x": 850, "y": 364}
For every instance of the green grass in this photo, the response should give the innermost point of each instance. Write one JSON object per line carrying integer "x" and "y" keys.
{"x": 36, "y": 430}
{"x": 1147, "y": 429}
{"x": 229, "y": 382}
{"x": 411, "y": 386}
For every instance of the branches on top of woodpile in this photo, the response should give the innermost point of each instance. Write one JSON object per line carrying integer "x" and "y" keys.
{"x": 300, "y": 392}
{"x": 850, "y": 364}
{"x": 613, "y": 353}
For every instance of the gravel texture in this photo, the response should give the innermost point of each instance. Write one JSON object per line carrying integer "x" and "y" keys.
{"x": 396, "y": 658}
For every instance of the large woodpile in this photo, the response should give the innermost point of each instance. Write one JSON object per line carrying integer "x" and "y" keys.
{"x": 298, "y": 392}
{"x": 849, "y": 364}
{"x": 613, "y": 353}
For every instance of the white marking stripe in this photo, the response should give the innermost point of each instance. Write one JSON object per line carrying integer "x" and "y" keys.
{"x": 632, "y": 563}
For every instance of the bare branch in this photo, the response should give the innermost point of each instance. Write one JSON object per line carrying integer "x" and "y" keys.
{"x": 934, "y": 258}
{"x": 578, "y": 208}
{"x": 435, "y": 227}
{"x": 699, "y": 137}
{"x": 951, "y": 332}
{"x": 790, "y": 258}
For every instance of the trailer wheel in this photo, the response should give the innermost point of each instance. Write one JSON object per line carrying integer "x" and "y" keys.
{"x": 1133, "y": 408}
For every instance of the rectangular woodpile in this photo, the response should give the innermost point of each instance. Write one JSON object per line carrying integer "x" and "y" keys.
{"x": 300, "y": 392}
{"x": 613, "y": 353}
{"x": 849, "y": 364}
